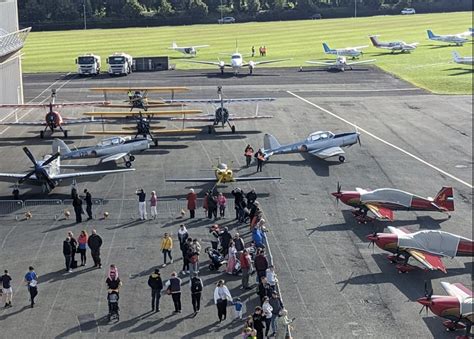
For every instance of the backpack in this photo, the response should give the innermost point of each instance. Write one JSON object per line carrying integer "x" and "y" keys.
{"x": 196, "y": 286}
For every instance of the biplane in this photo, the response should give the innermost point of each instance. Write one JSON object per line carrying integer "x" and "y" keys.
{"x": 222, "y": 116}
{"x": 53, "y": 119}
{"x": 137, "y": 97}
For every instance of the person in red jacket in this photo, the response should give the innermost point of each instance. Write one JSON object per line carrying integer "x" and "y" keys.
{"x": 191, "y": 198}
{"x": 246, "y": 266}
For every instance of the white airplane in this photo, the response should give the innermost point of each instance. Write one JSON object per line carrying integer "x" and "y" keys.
{"x": 450, "y": 39}
{"x": 468, "y": 33}
{"x": 340, "y": 64}
{"x": 189, "y": 50}
{"x": 461, "y": 60}
{"x": 353, "y": 52}
{"x": 394, "y": 46}
{"x": 237, "y": 62}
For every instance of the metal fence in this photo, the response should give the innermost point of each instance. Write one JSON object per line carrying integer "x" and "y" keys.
{"x": 115, "y": 209}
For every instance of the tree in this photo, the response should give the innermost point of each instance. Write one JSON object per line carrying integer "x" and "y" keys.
{"x": 163, "y": 7}
{"x": 132, "y": 9}
{"x": 33, "y": 11}
{"x": 253, "y": 6}
{"x": 197, "y": 8}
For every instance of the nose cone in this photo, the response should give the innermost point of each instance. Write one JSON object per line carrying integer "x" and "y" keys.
{"x": 424, "y": 301}
{"x": 337, "y": 194}
{"x": 372, "y": 237}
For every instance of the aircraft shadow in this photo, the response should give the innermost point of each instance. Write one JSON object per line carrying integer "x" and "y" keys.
{"x": 460, "y": 71}
{"x": 226, "y": 75}
{"x": 28, "y": 141}
{"x": 435, "y": 325}
{"x": 334, "y": 70}
{"x": 440, "y": 46}
{"x": 320, "y": 167}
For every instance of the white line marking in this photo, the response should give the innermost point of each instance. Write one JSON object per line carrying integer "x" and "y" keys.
{"x": 360, "y": 90}
{"x": 382, "y": 140}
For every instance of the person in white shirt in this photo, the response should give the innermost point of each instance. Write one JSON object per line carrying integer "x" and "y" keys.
{"x": 267, "y": 313}
{"x": 221, "y": 295}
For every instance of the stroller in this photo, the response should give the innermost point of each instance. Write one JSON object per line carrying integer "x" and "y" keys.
{"x": 217, "y": 259}
{"x": 112, "y": 299}
{"x": 237, "y": 268}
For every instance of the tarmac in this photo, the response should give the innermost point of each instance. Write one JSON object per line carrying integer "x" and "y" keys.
{"x": 331, "y": 281}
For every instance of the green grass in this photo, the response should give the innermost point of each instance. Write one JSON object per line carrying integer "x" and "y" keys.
{"x": 429, "y": 67}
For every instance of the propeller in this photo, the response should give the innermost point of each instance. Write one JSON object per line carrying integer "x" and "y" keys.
{"x": 38, "y": 168}
{"x": 338, "y": 192}
{"x": 358, "y": 137}
{"x": 372, "y": 238}
{"x": 428, "y": 296}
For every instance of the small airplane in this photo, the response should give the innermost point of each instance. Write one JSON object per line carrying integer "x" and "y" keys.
{"x": 110, "y": 149}
{"x": 222, "y": 116}
{"x": 353, "y": 52}
{"x": 457, "y": 308}
{"x": 427, "y": 247}
{"x": 53, "y": 119}
{"x": 322, "y": 144}
{"x": 237, "y": 62}
{"x": 450, "y": 39}
{"x": 190, "y": 50}
{"x": 143, "y": 123}
{"x": 468, "y": 33}
{"x": 340, "y": 64}
{"x": 46, "y": 173}
{"x": 462, "y": 60}
{"x": 222, "y": 175}
{"x": 138, "y": 96}
{"x": 394, "y": 46}
{"x": 383, "y": 201}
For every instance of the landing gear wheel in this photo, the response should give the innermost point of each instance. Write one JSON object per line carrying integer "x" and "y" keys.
{"x": 222, "y": 71}
{"x": 132, "y": 158}
{"x": 232, "y": 128}
{"x": 65, "y": 134}
{"x": 156, "y": 142}
{"x": 41, "y": 134}
{"x": 209, "y": 129}
{"x": 128, "y": 164}
{"x": 342, "y": 158}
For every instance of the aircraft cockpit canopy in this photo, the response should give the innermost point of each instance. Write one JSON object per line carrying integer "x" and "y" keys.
{"x": 236, "y": 56}
{"x": 111, "y": 141}
{"x": 222, "y": 166}
{"x": 320, "y": 135}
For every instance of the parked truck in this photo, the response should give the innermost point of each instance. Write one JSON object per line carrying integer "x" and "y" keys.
{"x": 120, "y": 63}
{"x": 88, "y": 64}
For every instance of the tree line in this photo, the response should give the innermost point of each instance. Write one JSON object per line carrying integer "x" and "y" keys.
{"x": 64, "y": 14}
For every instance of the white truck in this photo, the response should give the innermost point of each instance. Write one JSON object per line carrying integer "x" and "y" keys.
{"x": 120, "y": 63}
{"x": 88, "y": 64}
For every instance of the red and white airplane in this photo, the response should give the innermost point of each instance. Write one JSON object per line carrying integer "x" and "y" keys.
{"x": 383, "y": 201}
{"x": 457, "y": 308}
{"x": 52, "y": 120}
{"x": 427, "y": 247}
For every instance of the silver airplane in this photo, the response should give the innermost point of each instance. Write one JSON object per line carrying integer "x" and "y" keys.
{"x": 467, "y": 60}
{"x": 188, "y": 50}
{"x": 47, "y": 173}
{"x": 340, "y": 64}
{"x": 110, "y": 149}
{"x": 322, "y": 144}
{"x": 456, "y": 39}
{"x": 394, "y": 46}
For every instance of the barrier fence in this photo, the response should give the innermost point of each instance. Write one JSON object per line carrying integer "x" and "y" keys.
{"x": 115, "y": 209}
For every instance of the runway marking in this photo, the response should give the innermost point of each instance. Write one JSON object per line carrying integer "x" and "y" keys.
{"x": 383, "y": 141}
{"x": 360, "y": 90}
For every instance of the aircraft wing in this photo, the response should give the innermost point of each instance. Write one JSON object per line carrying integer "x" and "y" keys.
{"x": 255, "y": 178}
{"x": 358, "y": 47}
{"x": 457, "y": 290}
{"x": 11, "y": 177}
{"x": 327, "y": 152}
{"x": 148, "y": 89}
{"x": 360, "y": 62}
{"x": 380, "y": 212}
{"x": 214, "y": 63}
{"x": 321, "y": 63}
{"x": 114, "y": 157}
{"x": 192, "y": 180}
{"x": 64, "y": 104}
{"x": 231, "y": 118}
{"x": 73, "y": 175}
{"x": 154, "y": 131}
{"x": 148, "y": 105}
{"x": 430, "y": 261}
{"x": 266, "y": 62}
{"x": 217, "y": 101}
{"x": 145, "y": 114}
{"x": 42, "y": 122}
{"x": 199, "y": 46}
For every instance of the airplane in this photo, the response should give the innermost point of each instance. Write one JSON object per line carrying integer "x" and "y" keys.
{"x": 138, "y": 96}
{"x": 394, "y": 46}
{"x": 468, "y": 33}
{"x": 427, "y": 247}
{"x": 462, "y": 60}
{"x": 353, "y": 52}
{"x": 222, "y": 116}
{"x": 457, "y": 308}
{"x": 322, "y": 144}
{"x": 237, "y": 62}
{"x": 110, "y": 149}
{"x": 222, "y": 175}
{"x": 190, "y": 50}
{"x": 383, "y": 201}
{"x": 340, "y": 64}
{"x": 53, "y": 119}
{"x": 450, "y": 39}
{"x": 143, "y": 123}
{"x": 47, "y": 173}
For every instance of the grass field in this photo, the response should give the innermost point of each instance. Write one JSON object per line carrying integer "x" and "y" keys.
{"x": 429, "y": 67}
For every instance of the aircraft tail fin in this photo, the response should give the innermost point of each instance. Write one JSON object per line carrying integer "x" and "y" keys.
{"x": 445, "y": 198}
{"x": 375, "y": 40}
{"x": 270, "y": 143}
{"x": 326, "y": 48}
{"x": 60, "y": 146}
{"x": 431, "y": 35}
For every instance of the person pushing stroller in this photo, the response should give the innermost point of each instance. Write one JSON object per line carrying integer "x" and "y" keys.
{"x": 113, "y": 284}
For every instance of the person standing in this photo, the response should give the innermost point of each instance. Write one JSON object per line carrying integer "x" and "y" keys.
{"x": 88, "y": 200}
{"x": 222, "y": 203}
{"x": 261, "y": 264}
{"x": 95, "y": 242}
{"x": 173, "y": 287}
{"x": 260, "y": 159}
{"x": 271, "y": 277}
{"x": 153, "y": 201}
{"x": 141, "y": 203}
{"x": 264, "y": 289}
{"x": 225, "y": 239}
{"x": 221, "y": 296}
{"x": 187, "y": 252}
{"x": 251, "y": 198}
{"x": 277, "y": 307}
{"x": 196, "y": 290}
{"x": 77, "y": 205}
{"x": 248, "y": 152}
{"x": 166, "y": 247}
{"x": 211, "y": 206}
{"x": 214, "y": 235}
{"x": 282, "y": 323}
{"x": 191, "y": 197}
{"x": 31, "y": 280}
{"x": 232, "y": 258}
{"x": 156, "y": 285}
{"x": 7, "y": 291}
{"x": 267, "y": 313}
{"x": 245, "y": 265}
{"x": 82, "y": 247}
{"x": 195, "y": 252}
{"x": 258, "y": 320}
{"x": 238, "y": 243}
{"x": 74, "y": 249}
{"x": 183, "y": 235}
{"x": 253, "y": 51}
{"x": 67, "y": 252}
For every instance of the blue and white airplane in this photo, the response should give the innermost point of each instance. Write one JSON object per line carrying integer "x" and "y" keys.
{"x": 353, "y": 52}
{"x": 456, "y": 39}
{"x": 468, "y": 33}
{"x": 467, "y": 60}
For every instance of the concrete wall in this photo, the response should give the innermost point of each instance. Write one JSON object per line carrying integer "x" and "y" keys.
{"x": 11, "y": 86}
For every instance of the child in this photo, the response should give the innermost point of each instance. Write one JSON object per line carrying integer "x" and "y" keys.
{"x": 221, "y": 202}
{"x": 238, "y": 308}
